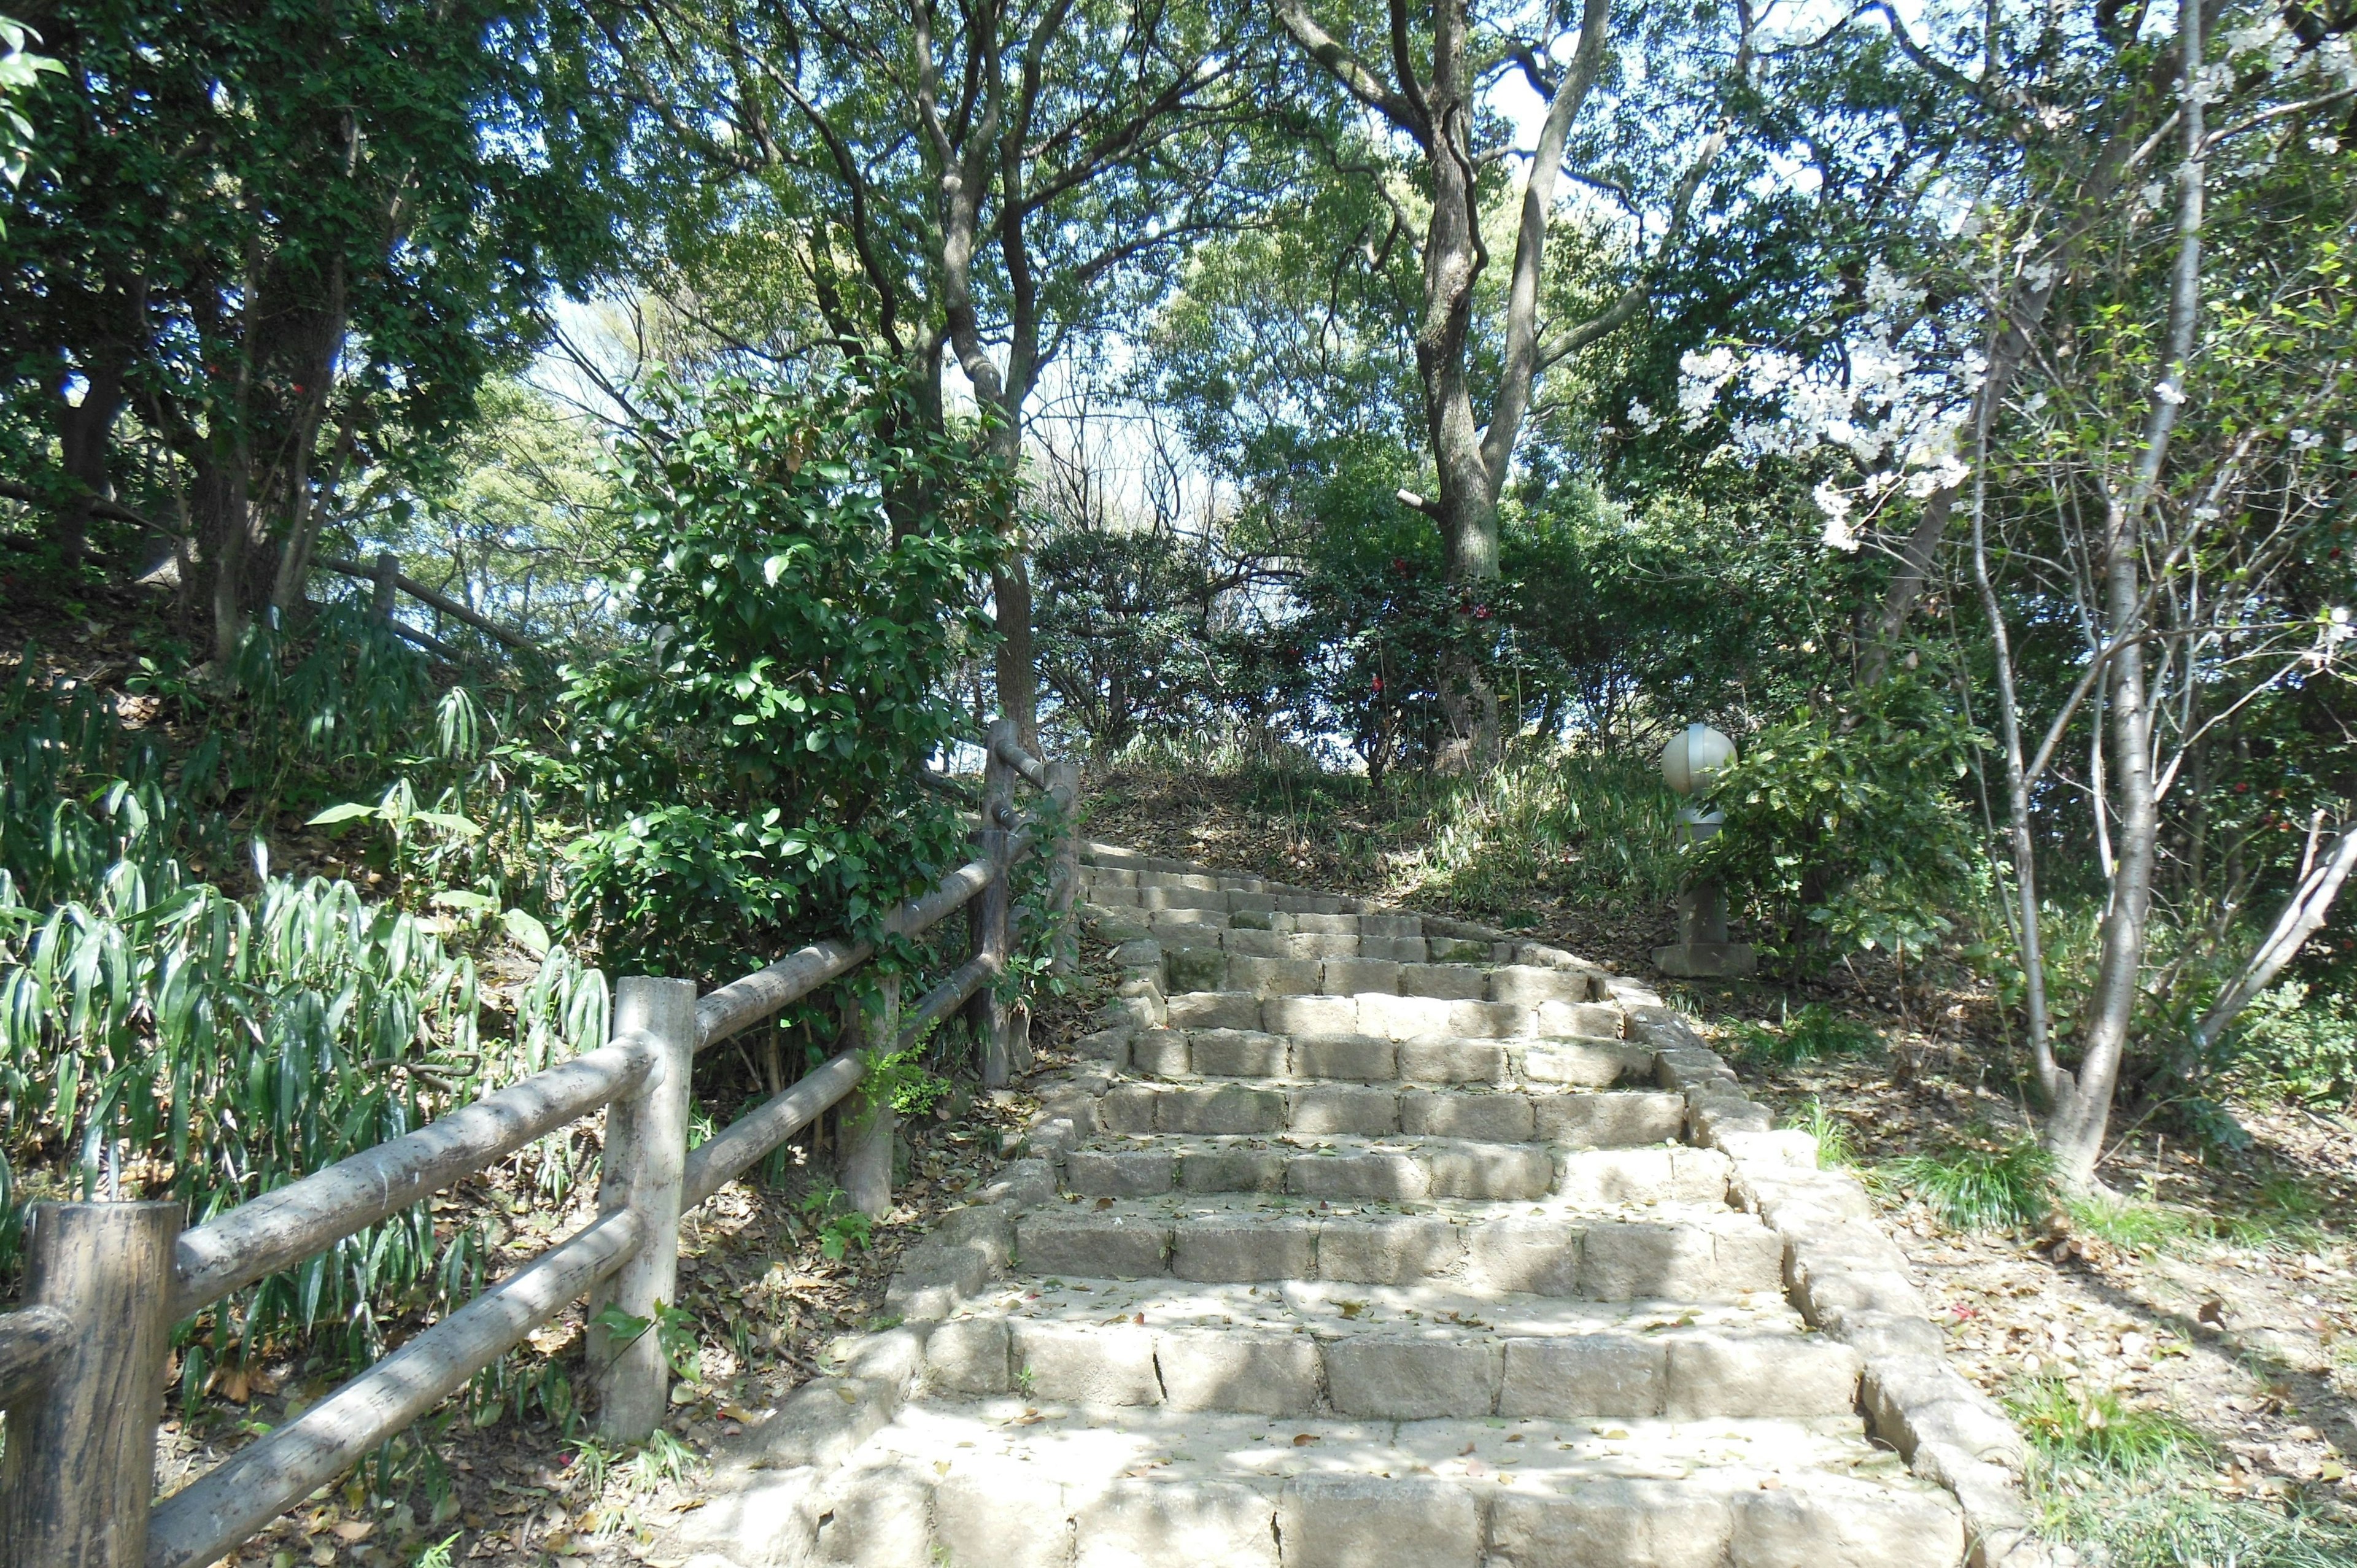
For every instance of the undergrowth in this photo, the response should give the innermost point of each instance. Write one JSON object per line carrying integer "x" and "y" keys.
{"x": 1810, "y": 1033}
{"x": 2125, "y": 1486}
{"x": 1980, "y": 1189}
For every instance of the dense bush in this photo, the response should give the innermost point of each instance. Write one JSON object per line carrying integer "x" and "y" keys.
{"x": 748, "y": 763}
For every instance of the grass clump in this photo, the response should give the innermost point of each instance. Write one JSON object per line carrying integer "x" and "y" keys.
{"x": 1980, "y": 1189}
{"x": 1834, "y": 1149}
{"x": 2070, "y": 1425}
{"x": 2124, "y": 1222}
{"x": 1810, "y": 1034}
{"x": 2124, "y": 1487}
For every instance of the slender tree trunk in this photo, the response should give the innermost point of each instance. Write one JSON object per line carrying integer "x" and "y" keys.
{"x": 2074, "y": 1132}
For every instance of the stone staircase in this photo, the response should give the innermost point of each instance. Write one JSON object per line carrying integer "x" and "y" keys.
{"x": 1360, "y": 1239}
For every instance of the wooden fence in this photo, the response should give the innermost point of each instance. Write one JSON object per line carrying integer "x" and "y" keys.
{"x": 83, "y": 1363}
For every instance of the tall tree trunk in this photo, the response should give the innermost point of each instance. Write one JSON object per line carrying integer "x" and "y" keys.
{"x": 2075, "y": 1130}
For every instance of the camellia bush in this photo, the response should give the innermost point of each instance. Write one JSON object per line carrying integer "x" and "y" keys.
{"x": 813, "y": 562}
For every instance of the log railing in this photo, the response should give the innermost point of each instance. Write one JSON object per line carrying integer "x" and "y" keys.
{"x": 82, "y": 1363}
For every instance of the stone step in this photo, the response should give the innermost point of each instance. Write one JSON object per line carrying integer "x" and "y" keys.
{"x": 1388, "y": 1353}
{"x": 1009, "y": 1483}
{"x": 1219, "y": 969}
{"x": 1389, "y": 1015}
{"x": 1348, "y": 912}
{"x": 1577, "y": 1118}
{"x": 1683, "y": 1251}
{"x": 1394, "y": 1170}
{"x": 1550, "y": 1064}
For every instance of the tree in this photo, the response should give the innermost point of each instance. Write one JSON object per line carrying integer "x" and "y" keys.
{"x": 994, "y": 183}
{"x": 289, "y": 241}
{"x": 1435, "y": 103}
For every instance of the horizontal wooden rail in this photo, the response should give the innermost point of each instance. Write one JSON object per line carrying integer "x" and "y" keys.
{"x": 82, "y": 1365}
{"x": 225, "y": 1506}
{"x": 33, "y": 1342}
{"x": 746, "y": 1141}
{"x": 303, "y": 1219}
{"x": 1010, "y": 751}
{"x": 741, "y": 1004}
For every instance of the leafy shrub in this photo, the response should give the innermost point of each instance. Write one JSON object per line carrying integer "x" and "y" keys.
{"x": 2298, "y": 1044}
{"x": 1844, "y": 830}
{"x": 751, "y": 762}
{"x": 1980, "y": 1189}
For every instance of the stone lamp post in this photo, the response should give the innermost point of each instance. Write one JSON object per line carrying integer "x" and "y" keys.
{"x": 1690, "y": 764}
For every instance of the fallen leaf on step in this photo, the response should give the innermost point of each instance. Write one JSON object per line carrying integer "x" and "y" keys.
{"x": 2213, "y": 1312}
{"x": 1304, "y": 1439}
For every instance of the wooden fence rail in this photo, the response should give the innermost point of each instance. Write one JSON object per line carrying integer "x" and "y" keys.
{"x": 83, "y": 1364}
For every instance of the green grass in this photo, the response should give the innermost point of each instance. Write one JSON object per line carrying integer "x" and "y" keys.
{"x": 1811, "y": 1034}
{"x": 2075, "y": 1426}
{"x": 1833, "y": 1146}
{"x": 1980, "y": 1189}
{"x": 2127, "y": 1222}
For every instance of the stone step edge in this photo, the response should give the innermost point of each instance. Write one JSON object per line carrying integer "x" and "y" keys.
{"x": 1419, "y": 1373}
{"x": 1347, "y": 1521}
{"x": 1849, "y": 1281}
{"x": 1447, "y": 925}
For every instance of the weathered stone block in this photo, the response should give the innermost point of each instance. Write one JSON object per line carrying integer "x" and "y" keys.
{"x": 1612, "y": 1119}
{"x": 1119, "y": 1173}
{"x": 1412, "y": 1379}
{"x": 1620, "y": 1175}
{"x": 1232, "y": 1170}
{"x": 1526, "y": 985}
{"x": 1588, "y": 1374}
{"x": 1600, "y": 1020}
{"x": 1214, "y": 1010}
{"x": 881, "y": 1516}
{"x": 1456, "y": 950}
{"x": 1004, "y": 1513}
{"x": 1759, "y": 1375}
{"x": 1453, "y": 1061}
{"x": 1364, "y": 1521}
{"x": 1389, "y": 1250}
{"x": 1228, "y": 1108}
{"x": 1571, "y": 1062}
{"x": 1409, "y": 1017}
{"x": 1257, "y": 918}
{"x": 1540, "y": 1254}
{"x": 1319, "y": 945}
{"x": 1092, "y": 1246}
{"x": 1828, "y": 1521}
{"x": 968, "y": 1356}
{"x": 1161, "y": 1052}
{"x": 1254, "y": 1371}
{"x": 1110, "y": 1046}
{"x": 1273, "y": 976}
{"x": 1360, "y": 1058}
{"x": 1205, "y": 1524}
{"x": 1346, "y": 1108}
{"x": 1506, "y": 1173}
{"x": 1390, "y": 1178}
{"x": 1613, "y": 1523}
{"x": 1498, "y": 1118}
{"x": 1239, "y": 1053}
{"x": 1487, "y": 1020}
{"x": 1302, "y": 1016}
{"x": 1624, "y": 1260}
{"x": 1087, "y": 1363}
{"x": 1127, "y": 1108}
{"x": 1215, "y": 1249}
{"x": 1359, "y": 976}
{"x": 1242, "y": 940}
{"x": 1450, "y": 981}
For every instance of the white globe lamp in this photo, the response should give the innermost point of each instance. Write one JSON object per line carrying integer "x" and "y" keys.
{"x": 1692, "y": 761}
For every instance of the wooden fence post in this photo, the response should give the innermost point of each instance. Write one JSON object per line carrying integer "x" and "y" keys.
{"x": 868, "y": 1123}
{"x": 645, "y": 1155}
{"x": 79, "y": 1475}
{"x": 387, "y": 577}
{"x": 987, "y": 1015}
{"x": 1065, "y": 887}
